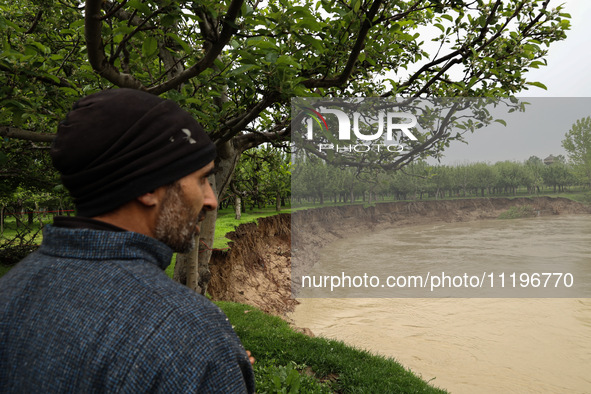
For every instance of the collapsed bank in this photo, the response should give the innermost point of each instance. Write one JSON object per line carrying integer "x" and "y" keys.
{"x": 257, "y": 268}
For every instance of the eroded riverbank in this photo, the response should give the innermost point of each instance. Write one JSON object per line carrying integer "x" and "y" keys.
{"x": 257, "y": 269}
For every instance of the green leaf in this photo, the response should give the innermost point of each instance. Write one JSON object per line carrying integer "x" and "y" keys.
{"x": 150, "y": 46}
{"x": 271, "y": 57}
{"x": 260, "y": 42}
{"x": 53, "y": 78}
{"x": 537, "y": 84}
{"x": 141, "y": 7}
{"x": 242, "y": 69}
{"x": 287, "y": 60}
{"x": 232, "y": 25}
{"x": 76, "y": 24}
{"x": 179, "y": 41}
{"x": 537, "y": 64}
{"x": 219, "y": 64}
{"x": 168, "y": 20}
{"x": 123, "y": 30}
{"x": 69, "y": 91}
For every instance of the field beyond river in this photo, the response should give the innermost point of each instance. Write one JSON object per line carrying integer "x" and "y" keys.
{"x": 464, "y": 345}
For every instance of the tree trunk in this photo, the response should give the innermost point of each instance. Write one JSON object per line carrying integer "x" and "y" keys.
{"x": 2, "y": 221}
{"x": 237, "y": 206}
{"x": 180, "y": 269}
{"x": 187, "y": 267}
{"x": 278, "y": 202}
{"x": 205, "y": 250}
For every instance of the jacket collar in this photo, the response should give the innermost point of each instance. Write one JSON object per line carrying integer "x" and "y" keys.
{"x": 84, "y": 243}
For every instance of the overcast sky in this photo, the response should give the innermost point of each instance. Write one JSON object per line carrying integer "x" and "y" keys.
{"x": 540, "y": 130}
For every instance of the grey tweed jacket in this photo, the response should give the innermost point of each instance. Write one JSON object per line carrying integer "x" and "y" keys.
{"x": 93, "y": 311}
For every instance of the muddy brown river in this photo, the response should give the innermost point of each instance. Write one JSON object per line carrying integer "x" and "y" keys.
{"x": 470, "y": 344}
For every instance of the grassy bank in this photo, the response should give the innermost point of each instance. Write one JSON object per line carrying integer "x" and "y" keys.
{"x": 288, "y": 361}
{"x": 226, "y": 222}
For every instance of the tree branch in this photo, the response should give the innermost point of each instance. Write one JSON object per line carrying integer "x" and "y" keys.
{"x": 238, "y": 123}
{"x": 113, "y": 10}
{"x": 128, "y": 37}
{"x": 35, "y": 22}
{"x": 12, "y": 132}
{"x": 281, "y": 132}
{"x": 357, "y": 47}
{"x": 228, "y": 31}
{"x": 452, "y": 57}
{"x": 60, "y": 82}
{"x": 131, "y": 18}
{"x": 96, "y": 54}
{"x": 353, "y": 55}
{"x": 536, "y": 19}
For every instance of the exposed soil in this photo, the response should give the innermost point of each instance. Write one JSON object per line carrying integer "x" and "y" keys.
{"x": 257, "y": 268}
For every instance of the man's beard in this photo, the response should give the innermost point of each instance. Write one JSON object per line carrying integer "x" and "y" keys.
{"x": 177, "y": 221}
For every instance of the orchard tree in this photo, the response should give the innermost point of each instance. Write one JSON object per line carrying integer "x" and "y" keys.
{"x": 483, "y": 177}
{"x": 262, "y": 176}
{"x": 577, "y": 143}
{"x": 235, "y": 64}
{"x": 511, "y": 175}
{"x": 558, "y": 175}
{"x": 535, "y": 166}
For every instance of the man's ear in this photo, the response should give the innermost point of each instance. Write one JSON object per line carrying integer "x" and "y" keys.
{"x": 150, "y": 199}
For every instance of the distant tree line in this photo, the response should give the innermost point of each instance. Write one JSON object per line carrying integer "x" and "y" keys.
{"x": 317, "y": 182}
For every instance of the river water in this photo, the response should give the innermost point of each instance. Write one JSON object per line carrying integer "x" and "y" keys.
{"x": 472, "y": 345}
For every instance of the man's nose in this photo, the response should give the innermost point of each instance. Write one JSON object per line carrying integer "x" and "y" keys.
{"x": 210, "y": 201}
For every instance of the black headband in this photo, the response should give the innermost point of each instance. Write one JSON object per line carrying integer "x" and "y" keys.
{"x": 118, "y": 144}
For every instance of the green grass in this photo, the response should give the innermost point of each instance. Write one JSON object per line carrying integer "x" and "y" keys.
{"x": 4, "y": 269}
{"x": 579, "y": 196}
{"x": 10, "y": 229}
{"x": 13, "y": 250}
{"x": 525, "y": 211}
{"x": 226, "y": 222}
{"x": 323, "y": 365}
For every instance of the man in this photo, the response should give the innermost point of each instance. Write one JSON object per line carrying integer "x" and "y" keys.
{"x": 92, "y": 309}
